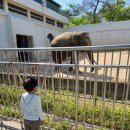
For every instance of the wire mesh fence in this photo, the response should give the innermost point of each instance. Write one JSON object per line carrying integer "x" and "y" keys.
{"x": 77, "y": 99}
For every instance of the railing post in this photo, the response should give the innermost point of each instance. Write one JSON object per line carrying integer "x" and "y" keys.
{"x": 76, "y": 88}
{"x": 95, "y": 85}
{"x": 126, "y": 101}
{"x": 114, "y": 100}
{"x": 94, "y": 93}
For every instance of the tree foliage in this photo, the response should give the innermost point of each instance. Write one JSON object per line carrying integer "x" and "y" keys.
{"x": 72, "y": 11}
{"x": 81, "y": 20}
{"x": 118, "y": 11}
{"x": 92, "y": 7}
{"x": 96, "y": 11}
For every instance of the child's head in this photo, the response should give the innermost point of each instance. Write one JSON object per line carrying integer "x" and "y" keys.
{"x": 30, "y": 83}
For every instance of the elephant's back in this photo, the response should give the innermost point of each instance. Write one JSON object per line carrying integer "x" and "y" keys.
{"x": 62, "y": 40}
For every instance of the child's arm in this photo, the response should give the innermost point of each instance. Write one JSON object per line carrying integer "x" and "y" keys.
{"x": 39, "y": 109}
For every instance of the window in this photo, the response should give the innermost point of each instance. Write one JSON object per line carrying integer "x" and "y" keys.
{"x": 37, "y": 16}
{"x": 16, "y": 9}
{"x": 59, "y": 24}
{"x": 1, "y": 4}
{"x": 50, "y": 21}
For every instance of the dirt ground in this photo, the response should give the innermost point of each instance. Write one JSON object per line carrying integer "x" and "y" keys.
{"x": 110, "y": 74}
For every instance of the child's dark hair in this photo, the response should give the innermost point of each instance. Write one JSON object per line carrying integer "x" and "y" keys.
{"x": 30, "y": 83}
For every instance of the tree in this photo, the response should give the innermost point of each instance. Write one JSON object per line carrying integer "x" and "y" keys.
{"x": 88, "y": 8}
{"x": 67, "y": 13}
{"x": 95, "y": 11}
{"x": 81, "y": 20}
{"x": 92, "y": 7}
{"x": 72, "y": 11}
{"x": 118, "y": 11}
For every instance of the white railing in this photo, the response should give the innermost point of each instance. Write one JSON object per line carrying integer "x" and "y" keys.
{"x": 71, "y": 100}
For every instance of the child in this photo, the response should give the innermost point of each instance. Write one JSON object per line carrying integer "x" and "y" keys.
{"x": 30, "y": 105}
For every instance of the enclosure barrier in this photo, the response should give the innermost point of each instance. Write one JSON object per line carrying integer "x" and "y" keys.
{"x": 78, "y": 99}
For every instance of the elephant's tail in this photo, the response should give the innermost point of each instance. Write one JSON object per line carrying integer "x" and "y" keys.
{"x": 50, "y": 36}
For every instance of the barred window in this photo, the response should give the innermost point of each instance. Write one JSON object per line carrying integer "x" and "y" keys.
{"x": 1, "y": 4}
{"x": 36, "y": 16}
{"x": 50, "y": 21}
{"x": 16, "y": 9}
{"x": 60, "y": 25}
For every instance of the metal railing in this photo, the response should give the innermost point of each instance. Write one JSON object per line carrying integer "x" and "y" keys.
{"x": 71, "y": 100}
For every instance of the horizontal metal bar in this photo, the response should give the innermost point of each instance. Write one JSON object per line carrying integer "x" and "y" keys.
{"x": 100, "y": 47}
{"x": 68, "y": 65}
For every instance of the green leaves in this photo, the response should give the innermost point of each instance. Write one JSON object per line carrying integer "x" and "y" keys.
{"x": 89, "y": 12}
{"x": 117, "y": 12}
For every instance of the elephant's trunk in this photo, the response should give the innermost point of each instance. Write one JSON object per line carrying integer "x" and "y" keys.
{"x": 50, "y": 37}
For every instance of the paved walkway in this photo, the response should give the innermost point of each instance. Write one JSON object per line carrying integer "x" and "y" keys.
{"x": 15, "y": 125}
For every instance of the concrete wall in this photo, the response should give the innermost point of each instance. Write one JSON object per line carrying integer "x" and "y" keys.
{"x": 4, "y": 41}
{"x": 12, "y": 25}
{"x": 42, "y": 9}
{"x": 23, "y": 26}
{"x": 106, "y": 33}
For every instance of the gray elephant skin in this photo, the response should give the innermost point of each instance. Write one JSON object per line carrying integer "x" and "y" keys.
{"x": 69, "y": 39}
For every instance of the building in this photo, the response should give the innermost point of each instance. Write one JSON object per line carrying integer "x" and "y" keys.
{"x": 26, "y": 23}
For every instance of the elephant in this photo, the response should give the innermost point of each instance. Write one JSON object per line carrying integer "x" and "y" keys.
{"x": 70, "y": 39}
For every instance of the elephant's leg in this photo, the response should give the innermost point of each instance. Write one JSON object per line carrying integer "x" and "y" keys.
{"x": 91, "y": 59}
{"x": 55, "y": 59}
{"x": 59, "y": 60}
{"x": 71, "y": 61}
{"x": 54, "y": 56}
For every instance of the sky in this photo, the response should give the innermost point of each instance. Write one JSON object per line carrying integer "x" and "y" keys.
{"x": 63, "y": 3}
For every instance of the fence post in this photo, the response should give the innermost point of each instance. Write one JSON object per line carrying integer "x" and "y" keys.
{"x": 94, "y": 93}
{"x": 95, "y": 85}
{"x": 76, "y": 88}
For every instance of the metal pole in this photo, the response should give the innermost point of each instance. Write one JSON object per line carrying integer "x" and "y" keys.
{"x": 76, "y": 89}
